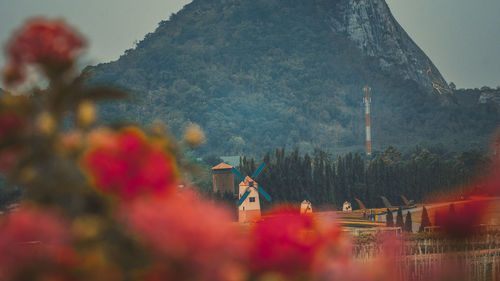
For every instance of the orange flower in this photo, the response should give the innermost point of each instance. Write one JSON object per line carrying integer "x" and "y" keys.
{"x": 193, "y": 239}
{"x": 128, "y": 165}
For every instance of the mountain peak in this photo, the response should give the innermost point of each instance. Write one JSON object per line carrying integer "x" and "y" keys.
{"x": 371, "y": 25}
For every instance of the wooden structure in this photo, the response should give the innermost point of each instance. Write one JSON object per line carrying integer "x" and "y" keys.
{"x": 222, "y": 178}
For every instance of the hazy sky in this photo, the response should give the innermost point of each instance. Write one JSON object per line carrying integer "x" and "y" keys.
{"x": 462, "y": 37}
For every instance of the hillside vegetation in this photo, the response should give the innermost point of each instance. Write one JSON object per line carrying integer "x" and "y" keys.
{"x": 260, "y": 74}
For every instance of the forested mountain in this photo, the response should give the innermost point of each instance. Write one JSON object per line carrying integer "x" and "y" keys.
{"x": 257, "y": 74}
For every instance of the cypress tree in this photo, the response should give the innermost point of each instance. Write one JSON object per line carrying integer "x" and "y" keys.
{"x": 408, "y": 223}
{"x": 389, "y": 219}
{"x": 399, "y": 219}
{"x": 424, "y": 221}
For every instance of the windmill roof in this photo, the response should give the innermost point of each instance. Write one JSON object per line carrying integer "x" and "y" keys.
{"x": 222, "y": 166}
{"x": 247, "y": 180}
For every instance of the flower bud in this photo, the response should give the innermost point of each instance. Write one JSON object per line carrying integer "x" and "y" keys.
{"x": 86, "y": 113}
{"x": 86, "y": 227}
{"x": 193, "y": 135}
{"x": 46, "y": 123}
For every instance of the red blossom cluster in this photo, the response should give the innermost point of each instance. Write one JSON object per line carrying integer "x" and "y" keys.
{"x": 127, "y": 164}
{"x": 286, "y": 242}
{"x": 50, "y": 44}
{"x": 34, "y": 239}
{"x": 11, "y": 123}
{"x": 194, "y": 239}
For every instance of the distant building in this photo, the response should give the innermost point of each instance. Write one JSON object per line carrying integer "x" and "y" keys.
{"x": 249, "y": 210}
{"x": 347, "y": 208}
{"x": 306, "y": 207}
{"x": 222, "y": 178}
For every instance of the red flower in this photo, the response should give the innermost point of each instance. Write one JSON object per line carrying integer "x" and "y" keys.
{"x": 11, "y": 123}
{"x": 462, "y": 222}
{"x": 193, "y": 239}
{"x": 288, "y": 243}
{"x": 128, "y": 165}
{"x": 51, "y": 44}
{"x": 33, "y": 240}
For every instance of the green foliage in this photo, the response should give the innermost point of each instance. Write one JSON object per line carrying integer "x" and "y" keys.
{"x": 408, "y": 227}
{"x": 211, "y": 160}
{"x": 390, "y": 219}
{"x": 399, "y": 218}
{"x": 328, "y": 181}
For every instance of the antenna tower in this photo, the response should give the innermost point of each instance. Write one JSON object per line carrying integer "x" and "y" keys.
{"x": 367, "y": 101}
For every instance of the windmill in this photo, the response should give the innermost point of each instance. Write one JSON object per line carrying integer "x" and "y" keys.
{"x": 249, "y": 203}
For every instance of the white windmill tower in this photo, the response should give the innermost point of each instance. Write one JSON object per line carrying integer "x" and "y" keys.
{"x": 248, "y": 194}
{"x": 306, "y": 207}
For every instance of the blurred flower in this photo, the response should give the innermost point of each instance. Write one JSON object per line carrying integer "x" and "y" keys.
{"x": 86, "y": 227}
{"x": 45, "y": 123}
{"x": 86, "y": 113}
{"x": 11, "y": 123}
{"x": 193, "y": 135}
{"x": 50, "y": 44}
{"x": 127, "y": 165}
{"x": 9, "y": 158}
{"x": 32, "y": 239}
{"x": 462, "y": 223}
{"x": 194, "y": 239}
{"x": 70, "y": 141}
{"x": 288, "y": 243}
{"x": 102, "y": 136}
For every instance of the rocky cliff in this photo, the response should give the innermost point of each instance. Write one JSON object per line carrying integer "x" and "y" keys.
{"x": 370, "y": 24}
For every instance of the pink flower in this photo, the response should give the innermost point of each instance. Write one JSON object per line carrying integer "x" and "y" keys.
{"x": 288, "y": 243}
{"x": 36, "y": 240}
{"x": 128, "y": 165}
{"x": 193, "y": 239}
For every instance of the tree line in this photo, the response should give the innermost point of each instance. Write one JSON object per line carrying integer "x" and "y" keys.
{"x": 328, "y": 181}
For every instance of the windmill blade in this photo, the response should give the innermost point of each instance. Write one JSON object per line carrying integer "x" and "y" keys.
{"x": 238, "y": 174}
{"x": 386, "y": 202}
{"x": 405, "y": 200}
{"x": 264, "y": 193}
{"x": 258, "y": 171}
{"x": 361, "y": 205}
{"x": 245, "y": 195}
